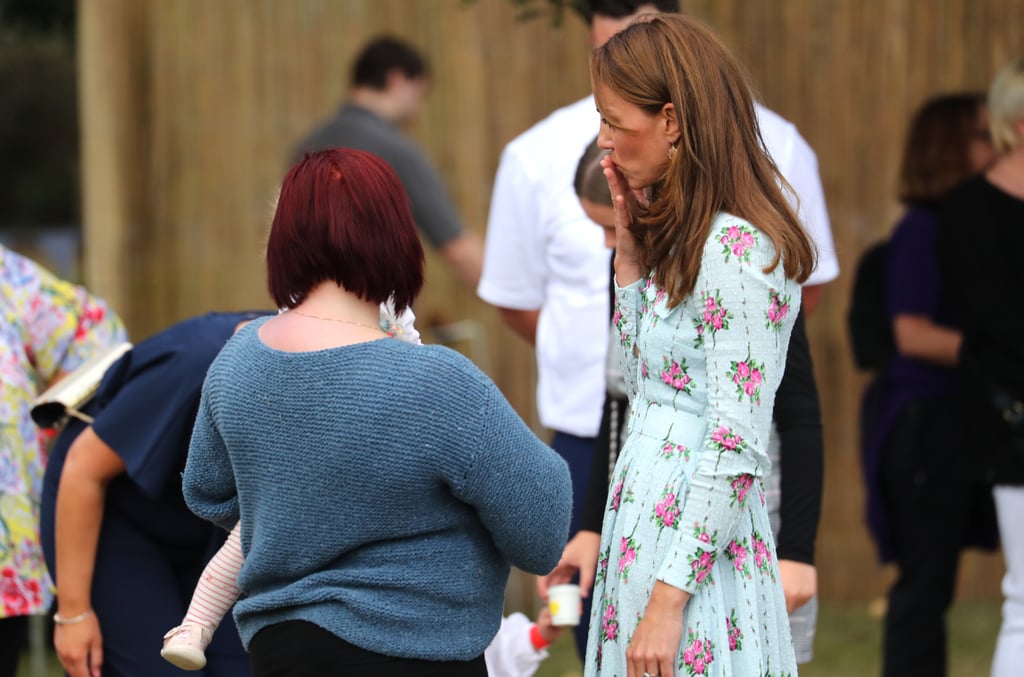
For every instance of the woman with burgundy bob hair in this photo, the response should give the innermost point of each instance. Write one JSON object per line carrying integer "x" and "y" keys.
{"x": 384, "y": 488}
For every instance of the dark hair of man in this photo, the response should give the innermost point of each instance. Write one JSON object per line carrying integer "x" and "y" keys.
{"x": 383, "y": 55}
{"x": 617, "y": 9}
{"x": 590, "y": 182}
{"x": 935, "y": 157}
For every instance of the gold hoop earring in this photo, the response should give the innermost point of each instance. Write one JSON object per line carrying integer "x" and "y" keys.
{"x": 672, "y": 149}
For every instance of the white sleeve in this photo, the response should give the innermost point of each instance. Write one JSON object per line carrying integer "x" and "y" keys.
{"x": 802, "y": 174}
{"x": 514, "y": 272}
{"x": 510, "y": 653}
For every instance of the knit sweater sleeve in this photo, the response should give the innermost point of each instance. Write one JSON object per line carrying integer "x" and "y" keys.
{"x": 209, "y": 481}
{"x": 520, "y": 488}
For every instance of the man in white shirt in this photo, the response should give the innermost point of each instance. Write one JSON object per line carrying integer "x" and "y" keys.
{"x": 546, "y": 268}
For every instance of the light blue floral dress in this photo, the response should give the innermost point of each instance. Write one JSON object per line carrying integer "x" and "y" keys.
{"x": 686, "y": 504}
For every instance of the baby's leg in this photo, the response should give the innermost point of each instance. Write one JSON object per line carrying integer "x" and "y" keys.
{"x": 215, "y": 593}
{"x": 217, "y": 589}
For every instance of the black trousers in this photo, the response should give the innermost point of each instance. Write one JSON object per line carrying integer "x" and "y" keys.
{"x": 929, "y": 493}
{"x": 301, "y": 649}
{"x": 13, "y": 635}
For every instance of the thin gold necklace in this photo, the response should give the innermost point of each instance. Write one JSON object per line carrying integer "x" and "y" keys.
{"x": 335, "y": 319}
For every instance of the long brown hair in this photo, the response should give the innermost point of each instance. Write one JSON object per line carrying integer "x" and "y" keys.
{"x": 720, "y": 165}
{"x": 936, "y": 154}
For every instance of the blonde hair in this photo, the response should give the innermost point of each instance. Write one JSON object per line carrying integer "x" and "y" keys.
{"x": 721, "y": 164}
{"x": 1006, "y": 106}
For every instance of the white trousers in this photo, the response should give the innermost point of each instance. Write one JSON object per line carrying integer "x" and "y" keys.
{"x": 1009, "y": 657}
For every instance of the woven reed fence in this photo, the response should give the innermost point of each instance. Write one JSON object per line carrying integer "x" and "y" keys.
{"x": 190, "y": 109}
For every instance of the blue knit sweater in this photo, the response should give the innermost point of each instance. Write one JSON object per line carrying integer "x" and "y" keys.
{"x": 384, "y": 490}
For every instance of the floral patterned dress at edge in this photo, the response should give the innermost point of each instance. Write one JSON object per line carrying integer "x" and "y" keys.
{"x": 686, "y": 505}
{"x": 47, "y": 327}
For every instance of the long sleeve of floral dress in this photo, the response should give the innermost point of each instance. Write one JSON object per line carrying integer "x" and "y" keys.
{"x": 742, "y": 320}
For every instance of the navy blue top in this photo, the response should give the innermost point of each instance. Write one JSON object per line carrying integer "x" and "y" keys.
{"x": 144, "y": 410}
{"x": 914, "y": 287}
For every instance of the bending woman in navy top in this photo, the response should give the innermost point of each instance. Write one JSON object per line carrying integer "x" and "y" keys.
{"x": 122, "y": 546}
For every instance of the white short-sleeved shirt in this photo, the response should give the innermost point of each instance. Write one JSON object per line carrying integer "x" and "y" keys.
{"x": 799, "y": 165}
{"x": 543, "y": 252}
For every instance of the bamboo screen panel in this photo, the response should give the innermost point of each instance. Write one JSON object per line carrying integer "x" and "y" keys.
{"x": 190, "y": 110}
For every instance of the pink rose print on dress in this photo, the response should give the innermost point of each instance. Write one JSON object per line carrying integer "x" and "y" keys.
{"x": 666, "y": 511}
{"x": 778, "y": 310}
{"x": 723, "y": 439}
{"x": 609, "y": 622}
{"x": 741, "y": 485}
{"x": 748, "y": 376}
{"x": 643, "y": 368}
{"x": 617, "y": 498}
{"x": 649, "y": 295}
{"x": 737, "y": 241}
{"x": 675, "y": 374}
{"x": 732, "y": 628}
{"x": 698, "y": 655}
{"x": 602, "y": 564}
{"x": 762, "y": 556}
{"x": 659, "y": 296}
{"x": 620, "y": 324}
{"x": 628, "y": 549}
{"x": 670, "y": 451}
{"x": 738, "y": 552}
{"x": 702, "y": 560}
{"x": 713, "y": 317}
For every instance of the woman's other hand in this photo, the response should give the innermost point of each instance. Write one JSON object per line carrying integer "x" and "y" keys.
{"x": 655, "y": 643}
{"x": 799, "y": 583}
{"x": 80, "y": 647}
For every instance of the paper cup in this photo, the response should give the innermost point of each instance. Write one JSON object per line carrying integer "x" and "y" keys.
{"x": 564, "y": 604}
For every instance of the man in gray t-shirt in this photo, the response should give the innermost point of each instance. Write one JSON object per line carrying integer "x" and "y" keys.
{"x": 389, "y": 83}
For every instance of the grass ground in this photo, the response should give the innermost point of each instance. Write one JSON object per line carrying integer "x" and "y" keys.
{"x": 848, "y": 644}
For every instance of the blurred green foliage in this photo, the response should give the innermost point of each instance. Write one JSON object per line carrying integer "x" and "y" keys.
{"x": 45, "y": 17}
{"x": 39, "y": 177}
{"x": 554, "y": 9}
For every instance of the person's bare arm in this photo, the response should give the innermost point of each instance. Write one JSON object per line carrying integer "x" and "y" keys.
{"x": 811, "y": 297}
{"x": 88, "y": 469}
{"x": 464, "y": 254}
{"x": 522, "y": 322}
{"x": 917, "y": 336}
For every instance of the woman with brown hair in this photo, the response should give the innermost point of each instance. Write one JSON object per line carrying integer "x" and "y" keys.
{"x": 708, "y": 265}
{"x": 920, "y": 495}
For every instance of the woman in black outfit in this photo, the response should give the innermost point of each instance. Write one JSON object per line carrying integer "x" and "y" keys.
{"x": 981, "y": 240}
